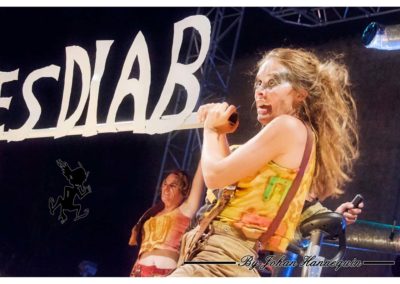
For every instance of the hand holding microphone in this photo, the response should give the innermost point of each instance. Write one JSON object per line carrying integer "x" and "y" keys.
{"x": 350, "y": 210}
{"x": 219, "y": 117}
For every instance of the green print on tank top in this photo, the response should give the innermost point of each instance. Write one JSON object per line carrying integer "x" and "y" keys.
{"x": 277, "y": 185}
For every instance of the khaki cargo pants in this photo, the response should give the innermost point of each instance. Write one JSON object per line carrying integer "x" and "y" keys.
{"x": 223, "y": 245}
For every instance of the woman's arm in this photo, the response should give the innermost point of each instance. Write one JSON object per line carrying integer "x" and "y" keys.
{"x": 285, "y": 134}
{"x": 190, "y": 206}
{"x": 192, "y": 203}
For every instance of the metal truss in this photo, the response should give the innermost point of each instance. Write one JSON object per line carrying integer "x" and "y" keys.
{"x": 182, "y": 149}
{"x": 184, "y": 146}
{"x": 323, "y": 16}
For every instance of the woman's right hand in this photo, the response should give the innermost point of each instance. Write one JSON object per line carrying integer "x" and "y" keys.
{"x": 203, "y": 111}
{"x": 215, "y": 116}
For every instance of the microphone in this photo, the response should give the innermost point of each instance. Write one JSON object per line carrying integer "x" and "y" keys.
{"x": 233, "y": 118}
{"x": 191, "y": 121}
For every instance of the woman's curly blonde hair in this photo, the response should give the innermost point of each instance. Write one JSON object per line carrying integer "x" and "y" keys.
{"x": 330, "y": 110}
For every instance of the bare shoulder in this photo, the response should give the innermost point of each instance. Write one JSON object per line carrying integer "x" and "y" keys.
{"x": 187, "y": 209}
{"x": 291, "y": 136}
{"x": 287, "y": 126}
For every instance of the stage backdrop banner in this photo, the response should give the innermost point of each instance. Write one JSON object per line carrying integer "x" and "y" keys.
{"x": 138, "y": 88}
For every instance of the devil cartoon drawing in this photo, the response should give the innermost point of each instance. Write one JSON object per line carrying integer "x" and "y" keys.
{"x": 76, "y": 179}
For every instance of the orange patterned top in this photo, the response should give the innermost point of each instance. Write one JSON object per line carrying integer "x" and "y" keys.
{"x": 258, "y": 198}
{"x": 164, "y": 231}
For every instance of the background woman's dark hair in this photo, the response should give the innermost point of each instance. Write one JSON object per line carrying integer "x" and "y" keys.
{"x": 184, "y": 179}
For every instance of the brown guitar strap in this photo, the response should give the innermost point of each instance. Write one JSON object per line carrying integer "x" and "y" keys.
{"x": 264, "y": 238}
{"x": 223, "y": 200}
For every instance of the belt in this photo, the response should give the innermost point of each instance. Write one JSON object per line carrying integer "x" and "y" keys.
{"x": 222, "y": 228}
{"x": 140, "y": 270}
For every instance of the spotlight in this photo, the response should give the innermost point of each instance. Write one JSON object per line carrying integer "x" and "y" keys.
{"x": 381, "y": 37}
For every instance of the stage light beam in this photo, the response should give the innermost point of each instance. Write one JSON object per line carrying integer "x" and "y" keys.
{"x": 381, "y": 37}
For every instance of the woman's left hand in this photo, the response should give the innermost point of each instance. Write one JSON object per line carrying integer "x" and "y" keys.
{"x": 349, "y": 212}
{"x": 217, "y": 118}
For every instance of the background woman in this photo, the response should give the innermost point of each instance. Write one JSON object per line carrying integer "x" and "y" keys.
{"x": 162, "y": 226}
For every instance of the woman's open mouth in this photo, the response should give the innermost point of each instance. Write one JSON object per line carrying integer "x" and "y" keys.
{"x": 264, "y": 109}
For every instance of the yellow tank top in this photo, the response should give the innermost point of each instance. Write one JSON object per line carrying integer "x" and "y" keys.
{"x": 164, "y": 231}
{"x": 258, "y": 198}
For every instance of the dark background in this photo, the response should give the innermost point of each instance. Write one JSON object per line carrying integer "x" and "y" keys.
{"x": 124, "y": 167}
